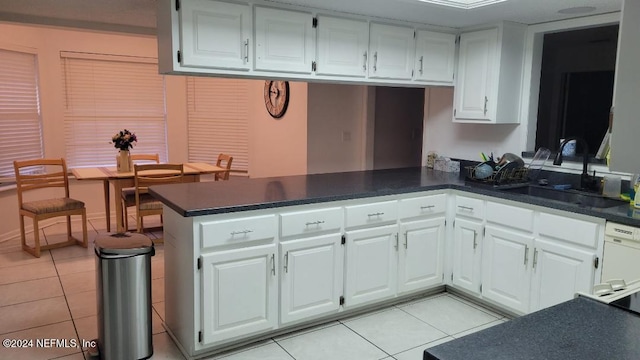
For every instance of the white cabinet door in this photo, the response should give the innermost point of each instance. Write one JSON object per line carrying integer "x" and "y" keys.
{"x": 239, "y": 292}
{"x": 474, "y": 85}
{"x": 284, "y": 41}
{"x": 371, "y": 264}
{"x": 392, "y": 50}
{"x": 435, "y": 56}
{"x": 559, "y": 271}
{"x": 342, "y": 47}
{"x": 467, "y": 250}
{"x": 421, "y": 253}
{"x": 215, "y": 34}
{"x": 505, "y": 267}
{"x": 312, "y": 277}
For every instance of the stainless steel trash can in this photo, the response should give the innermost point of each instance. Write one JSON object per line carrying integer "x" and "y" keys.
{"x": 123, "y": 291}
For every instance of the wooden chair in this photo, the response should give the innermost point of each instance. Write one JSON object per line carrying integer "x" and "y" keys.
{"x": 48, "y": 208}
{"x": 149, "y": 175}
{"x": 128, "y": 194}
{"x": 224, "y": 161}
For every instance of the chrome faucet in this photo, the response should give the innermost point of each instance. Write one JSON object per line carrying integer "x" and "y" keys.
{"x": 587, "y": 182}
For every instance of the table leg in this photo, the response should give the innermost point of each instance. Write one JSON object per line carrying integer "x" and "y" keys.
{"x": 107, "y": 204}
{"x": 117, "y": 189}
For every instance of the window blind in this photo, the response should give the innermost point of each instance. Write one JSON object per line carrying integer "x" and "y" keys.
{"x": 20, "y": 124}
{"x": 104, "y": 94}
{"x": 218, "y": 120}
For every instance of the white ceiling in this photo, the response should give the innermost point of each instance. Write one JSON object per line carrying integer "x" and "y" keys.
{"x": 138, "y": 16}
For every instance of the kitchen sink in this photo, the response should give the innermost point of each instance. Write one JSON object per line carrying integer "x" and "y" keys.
{"x": 576, "y": 197}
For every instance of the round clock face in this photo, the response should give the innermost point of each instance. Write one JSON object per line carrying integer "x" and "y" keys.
{"x": 276, "y": 97}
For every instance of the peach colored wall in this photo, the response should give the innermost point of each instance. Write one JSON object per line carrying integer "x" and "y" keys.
{"x": 272, "y": 139}
{"x": 278, "y": 147}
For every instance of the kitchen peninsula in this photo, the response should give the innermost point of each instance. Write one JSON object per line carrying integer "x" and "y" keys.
{"x": 249, "y": 258}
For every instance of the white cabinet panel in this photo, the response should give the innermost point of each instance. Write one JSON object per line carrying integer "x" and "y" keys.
{"x": 239, "y": 292}
{"x": 505, "y": 267}
{"x": 512, "y": 216}
{"x": 577, "y": 231}
{"x": 467, "y": 250}
{"x": 342, "y": 46}
{"x": 422, "y": 206}
{"x": 371, "y": 214}
{"x": 312, "y": 277}
{"x": 215, "y": 34}
{"x": 474, "y": 88}
{"x": 371, "y": 264}
{"x": 421, "y": 254}
{"x": 559, "y": 272}
{"x": 239, "y": 230}
{"x": 392, "y": 50}
{"x": 308, "y": 222}
{"x": 435, "y": 56}
{"x": 489, "y": 75}
{"x": 469, "y": 207}
{"x": 284, "y": 40}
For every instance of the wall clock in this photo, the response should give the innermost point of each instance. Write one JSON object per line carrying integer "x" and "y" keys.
{"x": 276, "y": 97}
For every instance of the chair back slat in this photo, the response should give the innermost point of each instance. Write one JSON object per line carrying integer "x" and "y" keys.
{"x": 145, "y": 157}
{"x": 224, "y": 161}
{"x": 156, "y": 174}
{"x": 57, "y": 178}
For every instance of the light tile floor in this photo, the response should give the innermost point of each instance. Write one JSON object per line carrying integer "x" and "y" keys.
{"x": 54, "y": 297}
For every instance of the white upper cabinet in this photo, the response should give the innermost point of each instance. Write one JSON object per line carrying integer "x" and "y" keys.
{"x": 435, "y": 56}
{"x": 487, "y": 88}
{"x": 215, "y": 35}
{"x": 392, "y": 50}
{"x": 342, "y": 46}
{"x": 284, "y": 40}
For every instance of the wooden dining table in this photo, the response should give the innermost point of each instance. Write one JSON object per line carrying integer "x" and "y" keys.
{"x": 121, "y": 180}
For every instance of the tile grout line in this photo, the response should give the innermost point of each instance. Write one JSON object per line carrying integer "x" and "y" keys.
{"x": 367, "y": 340}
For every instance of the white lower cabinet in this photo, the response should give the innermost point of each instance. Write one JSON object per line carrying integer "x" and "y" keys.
{"x": 239, "y": 292}
{"x": 312, "y": 277}
{"x": 530, "y": 265}
{"x": 420, "y": 254}
{"x": 371, "y": 264}
{"x": 505, "y": 267}
{"x": 467, "y": 254}
{"x": 559, "y": 271}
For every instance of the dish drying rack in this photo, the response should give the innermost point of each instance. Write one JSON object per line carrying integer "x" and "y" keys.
{"x": 505, "y": 175}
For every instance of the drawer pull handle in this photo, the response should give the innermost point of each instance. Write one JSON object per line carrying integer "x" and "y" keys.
{"x": 315, "y": 223}
{"x": 242, "y": 232}
{"x": 273, "y": 264}
{"x": 364, "y": 66}
{"x": 535, "y": 258}
{"x": 465, "y": 208}
{"x": 427, "y": 207}
{"x": 286, "y": 262}
{"x": 375, "y": 214}
{"x": 475, "y": 240}
{"x": 397, "y": 242}
{"x": 526, "y": 255}
{"x": 406, "y": 239}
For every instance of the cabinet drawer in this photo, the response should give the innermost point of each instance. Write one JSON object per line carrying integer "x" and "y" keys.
{"x": 371, "y": 214}
{"x": 469, "y": 207}
{"x": 572, "y": 230}
{"x": 511, "y": 216}
{"x": 235, "y": 231}
{"x": 423, "y": 206}
{"x": 310, "y": 222}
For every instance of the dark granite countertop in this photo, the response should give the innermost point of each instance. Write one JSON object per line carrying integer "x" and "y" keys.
{"x": 242, "y": 194}
{"x": 581, "y": 328}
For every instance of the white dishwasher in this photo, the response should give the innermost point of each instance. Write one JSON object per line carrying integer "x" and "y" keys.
{"x": 621, "y": 258}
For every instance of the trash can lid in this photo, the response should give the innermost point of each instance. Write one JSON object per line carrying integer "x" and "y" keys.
{"x": 123, "y": 244}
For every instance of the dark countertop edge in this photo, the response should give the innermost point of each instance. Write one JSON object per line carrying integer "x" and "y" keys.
{"x": 610, "y": 214}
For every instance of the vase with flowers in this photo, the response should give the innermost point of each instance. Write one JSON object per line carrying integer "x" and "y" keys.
{"x": 124, "y": 141}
